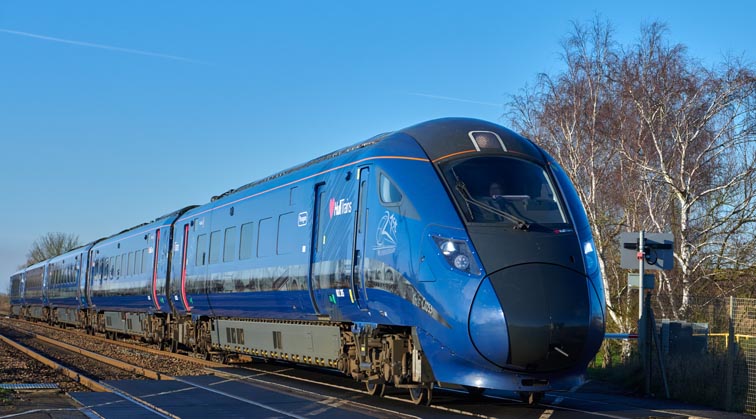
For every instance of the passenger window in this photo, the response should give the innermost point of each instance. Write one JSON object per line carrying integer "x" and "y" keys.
{"x": 118, "y": 266}
{"x": 201, "y": 257}
{"x": 138, "y": 262}
{"x": 130, "y": 264}
{"x": 229, "y": 244}
{"x": 266, "y": 238}
{"x": 322, "y": 221}
{"x": 287, "y": 233}
{"x": 215, "y": 246}
{"x": 124, "y": 264}
{"x": 145, "y": 259}
{"x": 388, "y": 191}
{"x": 246, "y": 243}
{"x": 292, "y": 195}
{"x": 112, "y": 267}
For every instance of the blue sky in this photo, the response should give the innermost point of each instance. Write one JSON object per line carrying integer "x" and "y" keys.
{"x": 113, "y": 113}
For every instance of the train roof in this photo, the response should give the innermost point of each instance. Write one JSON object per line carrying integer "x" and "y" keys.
{"x": 447, "y": 137}
{"x": 373, "y": 140}
{"x": 36, "y": 265}
{"x": 438, "y": 138}
{"x": 69, "y": 253}
{"x": 162, "y": 220}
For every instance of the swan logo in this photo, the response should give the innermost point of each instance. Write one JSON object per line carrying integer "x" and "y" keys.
{"x": 385, "y": 236}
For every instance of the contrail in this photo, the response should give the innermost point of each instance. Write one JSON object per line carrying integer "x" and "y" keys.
{"x": 100, "y": 46}
{"x": 498, "y": 105}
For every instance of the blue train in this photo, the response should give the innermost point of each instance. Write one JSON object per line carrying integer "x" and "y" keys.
{"x": 450, "y": 252}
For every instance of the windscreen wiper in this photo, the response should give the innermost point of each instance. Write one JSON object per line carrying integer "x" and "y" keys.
{"x": 519, "y": 222}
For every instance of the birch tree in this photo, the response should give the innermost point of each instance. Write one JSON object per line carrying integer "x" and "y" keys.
{"x": 695, "y": 148}
{"x": 654, "y": 141}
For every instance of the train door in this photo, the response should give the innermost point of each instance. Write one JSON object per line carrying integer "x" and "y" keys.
{"x": 155, "y": 260}
{"x": 88, "y": 277}
{"x": 180, "y": 296}
{"x": 358, "y": 256}
{"x": 314, "y": 274}
{"x": 180, "y": 260}
{"x": 79, "y": 273}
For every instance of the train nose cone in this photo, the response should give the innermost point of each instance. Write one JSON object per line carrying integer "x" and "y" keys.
{"x": 546, "y": 315}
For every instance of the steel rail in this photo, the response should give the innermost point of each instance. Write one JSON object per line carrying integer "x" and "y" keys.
{"x": 87, "y": 382}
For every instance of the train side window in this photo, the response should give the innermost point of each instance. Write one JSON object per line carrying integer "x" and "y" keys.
{"x": 138, "y": 262}
{"x": 287, "y": 233}
{"x": 124, "y": 264}
{"x": 130, "y": 264}
{"x": 229, "y": 244}
{"x": 98, "y": 269}
{"x": 266, "y": 238}
{"x": 389, "y": 193}
{"x": 215, "y": 246}
{"x": 117, "y": 266}
{"x": 247, "y": 242}
{"x": 112, "y": 267}
{"x": 201, "y": 257}
{"x": 293, "y": 195}
{"x": 145, "y": 259}
{"x": 322, "y": 220}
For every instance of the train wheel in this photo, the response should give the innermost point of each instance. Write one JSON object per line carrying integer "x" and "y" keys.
{"x": 531, "y": 397}
{"x": 422, "y": 394}
{"x": 375, "y": 389}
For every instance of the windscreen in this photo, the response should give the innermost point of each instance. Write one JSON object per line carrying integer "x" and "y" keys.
{"x": 507, "y": 190}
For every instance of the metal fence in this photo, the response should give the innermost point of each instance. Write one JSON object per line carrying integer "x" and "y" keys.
{"x": 744, "y": 333}
{"x": 714, "y": 351}
{"x": 710, "y": 358}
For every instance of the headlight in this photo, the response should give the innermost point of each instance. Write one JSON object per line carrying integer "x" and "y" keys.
{"x": 590, "y": 257}
{"x": 457, "y": 254}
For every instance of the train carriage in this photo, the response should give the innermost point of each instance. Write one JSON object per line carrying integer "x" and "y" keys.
{"x": 66, "y": 275}
{"x": 35, "y": 292}
{"x": 128, "y": 280}
{"x": 17, "y": 293}
{"x": 451, "y": 252}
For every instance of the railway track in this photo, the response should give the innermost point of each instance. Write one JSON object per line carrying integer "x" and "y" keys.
{"x": 261, "y": 387}
{"x": 162, "y": 363}
{"x": 81, "y": 365}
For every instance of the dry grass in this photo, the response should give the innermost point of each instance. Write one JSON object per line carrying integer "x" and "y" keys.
{"x": 693, "y": 378}
{"x": 4, "y": 304}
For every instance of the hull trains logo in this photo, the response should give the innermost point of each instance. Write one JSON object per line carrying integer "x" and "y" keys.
{"x": 385, "y": 236}
{"x": 340, "y": 207}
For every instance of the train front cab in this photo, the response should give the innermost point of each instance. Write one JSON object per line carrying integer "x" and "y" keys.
{"x": 537, "y": 317}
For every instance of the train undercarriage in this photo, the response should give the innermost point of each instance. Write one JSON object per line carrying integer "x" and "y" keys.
{"x": 377, "y": 355}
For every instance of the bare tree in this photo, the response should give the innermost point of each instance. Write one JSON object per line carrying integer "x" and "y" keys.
{"x": 695, "y": 151}
{"x": 575, "y": 116}
{"x": 654, "y": 141}
{"x": 51, "y": 245}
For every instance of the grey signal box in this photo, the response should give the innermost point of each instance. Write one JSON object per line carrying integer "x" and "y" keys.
{"x": 658, "y": 251}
